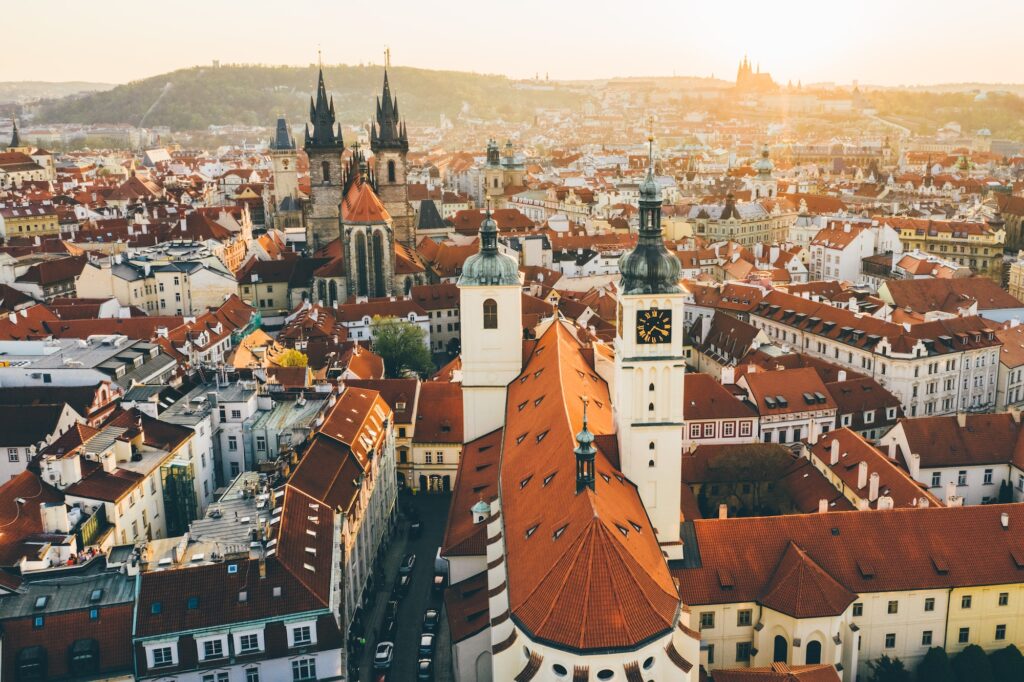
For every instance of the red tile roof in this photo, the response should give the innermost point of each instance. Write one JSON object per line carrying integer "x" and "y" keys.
{"x": 439, "y": 413}
{"x": 361, "y": 205}
{"x": 704, "y": 398}
{"x": 779, "y": 672}
{"x": 801, "y": 589}
{"x": 477, "y": 480}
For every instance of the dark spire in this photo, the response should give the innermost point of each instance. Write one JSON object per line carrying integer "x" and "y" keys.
{"x": 15, "y": 137}
{"x": 584, "y": 455}
{"x": 321, "y": 115}
{"x": 282, "y": 137}
{"x": 649, "y": 268}
{"x": 493, "y": 154}
{"x": 389, "y": 130}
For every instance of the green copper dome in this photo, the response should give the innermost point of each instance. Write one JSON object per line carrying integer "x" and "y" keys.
{"x": 764, "y": 165}
{"x": 649, "y": 268}
{"x": 489, "y": 267}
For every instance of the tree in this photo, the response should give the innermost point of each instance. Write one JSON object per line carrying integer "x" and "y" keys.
{"x": 887, "y": 669}
{"x": 403, "y": 346}
{"x": 1005, "y": 492}
{"x": 1007, "y": 664}
{"x": 293, "y": 358}
{"x": 935, "y": 667}
{"x": 745, "y": 477}
{"x": 972, "y": 665}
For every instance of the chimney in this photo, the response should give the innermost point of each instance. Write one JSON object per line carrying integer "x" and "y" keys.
{"x": 834, "y": 452}
{"x": 822, "y": 505}
{"x": 885, "y": 502}
{"x": 813, "y": 433}
{"x": 1004, "y": 521}
{"x": 841, "y": 376}
{"x": 961, "y": 419}
{"x": 915, "y": 465}
{"x": 922, "y": 502}
{"x": 862, "y": 475}
{"x": 263, "y": 565}
{"x": 873, "y": 485}
{"x": 863, "y": 505}
{"x": 950, "y": 492}
{"x": 723, "y": 511}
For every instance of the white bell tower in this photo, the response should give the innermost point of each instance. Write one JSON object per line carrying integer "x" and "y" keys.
{"x": 491, "y": 303}
{"x": 649, "y": 370}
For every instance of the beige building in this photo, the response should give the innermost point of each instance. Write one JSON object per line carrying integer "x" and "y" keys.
{"x": 37, "y": 220}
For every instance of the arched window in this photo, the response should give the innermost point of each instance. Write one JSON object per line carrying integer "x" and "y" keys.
{"x": 490, "y": 314}
{"x": 781, "y": 653}
{"x": 650, "y": 446}
{"x": 325, "y": 171}
{"x": 379, "y": 287}
{"x": 361, "y": 275}
{"x": 391, "y": 171}
{"x": 333, "y": 287}
{"x": 813, "y": 652}
{"x": 650, "y": 387}
{"x": 650, "y": 407}
{"x": 495, "y": 183}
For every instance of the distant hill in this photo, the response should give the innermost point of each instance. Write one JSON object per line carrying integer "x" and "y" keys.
{"x": 191, "y": 99}
{"x": 23, "y": 91}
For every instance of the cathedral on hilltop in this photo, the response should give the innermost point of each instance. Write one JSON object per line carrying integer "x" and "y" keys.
{"x": 358, "y": 213}
{"x": 751, "y": 79}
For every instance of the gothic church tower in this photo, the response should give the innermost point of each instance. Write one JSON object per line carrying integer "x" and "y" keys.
{"x": 324, "y": 146}
{"x": 389, "y": 143}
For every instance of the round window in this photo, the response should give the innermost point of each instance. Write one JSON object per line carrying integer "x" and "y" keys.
{"x": 559, "y": 670}
{"x": 605, "y": 674}
{"x": 649, "y": 663}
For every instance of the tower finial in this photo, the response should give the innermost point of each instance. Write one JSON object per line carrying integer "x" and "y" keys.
{"x": 650, "y": 141}
{"x": 387, "y": 57}
{"x": 319, "y": 57}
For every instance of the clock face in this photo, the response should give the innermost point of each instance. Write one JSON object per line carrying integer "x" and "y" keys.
{"x": 653, "y": 326}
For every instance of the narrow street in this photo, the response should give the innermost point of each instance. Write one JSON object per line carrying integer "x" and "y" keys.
{"x": 432, "y": 510}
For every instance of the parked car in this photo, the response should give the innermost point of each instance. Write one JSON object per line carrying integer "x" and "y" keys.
{"x": 402, "y": 584}
{"x": 383, "y": 655}
{"x": 425, "y": 669}
{"x": 426, "y": 649}
{"x": 431, "y": 620}
{"x": 408, "y": 562}
{"x": 387, "y": 630}
{"x": 391, "y": 610}
{"x": 415, "y": 528}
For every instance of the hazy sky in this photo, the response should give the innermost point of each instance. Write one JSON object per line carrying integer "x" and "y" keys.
{"x": 887, "y": 42}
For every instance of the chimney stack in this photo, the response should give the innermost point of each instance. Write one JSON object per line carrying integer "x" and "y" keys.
{"x": 822, "y": 505}
{"x": 961, "y": 419}
{"x": 1004, "y": 521}
{"x": 915, "y": 465}
{"x": 723, "y": 511}
{"x": 950, "y": 492}
{"x": 834, "y": 453}
{"x": 873, "y": 486}
{"x": 862, "y": 475}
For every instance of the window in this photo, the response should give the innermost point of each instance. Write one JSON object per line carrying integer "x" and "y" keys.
{"x": 961, "y": 478}
{"x": 894, "y": 607}
{"x": 325, "y": 171}
{"x": 988, "y": 477}
{"x": 965, "y": 601}
{"x": 440, "y": 458}
{"x": 249, "y": 642}
{"x": 745, "y": 428}
{"x": 12, "y": 454}
{"x": 1000, "y": 632}
{"x": 694, "y": 430}
{"x": 261, "y": 443}
{"x": 428, "y": 457}
{"x": 236, "y": 414}
{"x": 234, "y": 469}
{"x": 858, "y": 610}
{"x": 391, "y": 171}
{"x": 964, "y": 636}
{"x": 217, "y": 677}
{"x": 707, "y": 620}
{"x": 38, "y": 622}
{"x": 742, "y": 652}
{"x": 232, "y": 443}
{"x": 490, "y": 314}
{"x": 304, "y": 669}
{"x": 1004, "y": 598}
{"x": 709, "y": 430}
{"x": 94, "y": 614}
{"x": 929, "y": 604}
{"x": 301, "y": 635}
{"x": 890, "y": 640}
{"x": 213, "y": 648}
{"x": 711, "y": 654}
{"x": 744, "y": 617}
{"x": 728, "y": 430}
{"x": 163, "y": 656}
{"x": 926, "y": 638}
{"x": 936, "y": 479}
{"x": 252, "y": 675}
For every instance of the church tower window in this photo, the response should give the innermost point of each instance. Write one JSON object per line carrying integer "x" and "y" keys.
{"x": 325, "y": 170}
{"x": 378, "y": 260}
{"x": 391, "y": 171}
{"x": 362, "y": 284}
{"x": 490, "y": 314}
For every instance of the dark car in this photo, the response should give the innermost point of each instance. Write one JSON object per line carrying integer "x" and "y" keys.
{"x": 439, "y": 583}
{"x": 402, "y": 585}
{"x": 383, "y": 655}
{"x": 391, "y": 610}
{"x": 387, "y": 630}
{"x": 425, "y": 669}
{"x": 415, "y": 529}
{"x": 426, "y": 649}
{"x": 431, "y": 619}
{"x": 408, "y": 562}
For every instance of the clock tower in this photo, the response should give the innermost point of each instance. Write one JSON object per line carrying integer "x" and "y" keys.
{"x": 649, "y": 369}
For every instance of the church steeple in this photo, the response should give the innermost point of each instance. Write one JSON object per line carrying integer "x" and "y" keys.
{"x": 584, "y": 452}
{"x": 649, "y": 268}
{"x": 389, "y": 130}
{"x": 15, "y": 137}
{"x": 321, "y": 115}
{"x": 282, "y": 137}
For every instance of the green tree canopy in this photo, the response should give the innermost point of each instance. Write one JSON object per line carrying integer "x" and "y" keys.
{"x": 746, "y": 479}
{"x": 972, "y": 665}
{"x": 1007, "y": 664}
{"x": 403, "y": 347}
{"x": 887, "y": 669}
{"x": 935, "y": 667}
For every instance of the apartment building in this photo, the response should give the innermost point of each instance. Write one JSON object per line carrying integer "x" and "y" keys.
{"x": 936, "y": 367}
{"x": 977, "y": 245}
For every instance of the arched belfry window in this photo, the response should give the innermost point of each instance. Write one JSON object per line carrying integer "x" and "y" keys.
{"x": 325, "y": 169}
{"x": 490, "y": 314}
{"x": 391, "y": 171}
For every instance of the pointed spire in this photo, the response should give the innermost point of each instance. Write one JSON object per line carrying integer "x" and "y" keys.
{"x": 282, "y": 137}
{"x": 584, "y": 452}
{"x": 15, "y": 137}
{"x": 389, "y": 131}
{"x": 321, "y": 113}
